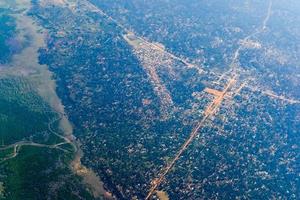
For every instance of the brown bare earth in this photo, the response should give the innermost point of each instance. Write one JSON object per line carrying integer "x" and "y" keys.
{"x": 151, "y": 59}
{"x": 209, "y": 111}
{"x": 280, "y": 97}
{"x": 162, "y": 195}
{"x": 213, "y": 92}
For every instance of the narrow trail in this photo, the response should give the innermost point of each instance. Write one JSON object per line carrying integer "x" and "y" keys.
{"x": 18, "y": 145}
{"x": 234, "y": 63}
{"x": 259, "y": 30}
{"x": 265, "y": 22}
{"x": 65, "y": 138}
{"x": 280, "y": 97}
{"x": 272, "y": 95}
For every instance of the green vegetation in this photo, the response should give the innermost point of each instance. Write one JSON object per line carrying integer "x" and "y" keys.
{"x": 40, "y": 172}
{"x": 34, "y": 159}
{"x": 6, "y": 152}
{"x": 22, "y": 112}
{"x": 36, "y": 172}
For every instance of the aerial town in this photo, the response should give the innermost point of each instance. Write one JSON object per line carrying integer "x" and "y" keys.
{"x": 170, "y": 101}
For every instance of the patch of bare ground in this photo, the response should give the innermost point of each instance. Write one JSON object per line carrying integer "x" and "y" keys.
{"x": 152, "y": 59}
{"x": 162, "y": 195}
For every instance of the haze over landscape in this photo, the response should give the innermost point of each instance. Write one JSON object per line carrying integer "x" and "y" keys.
{"x": 149, "y": 99}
